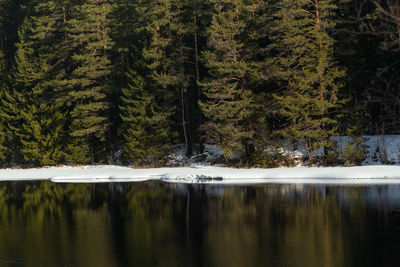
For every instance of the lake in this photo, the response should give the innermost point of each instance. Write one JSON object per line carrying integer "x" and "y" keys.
{"x": 157, "y": 224}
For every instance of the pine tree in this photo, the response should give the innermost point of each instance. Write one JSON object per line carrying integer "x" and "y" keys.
{"x": 230, "y": 102}
{"x": 89, "y": 83}
{"x": 33, "y": 112}
{"x": 305, "y": 67}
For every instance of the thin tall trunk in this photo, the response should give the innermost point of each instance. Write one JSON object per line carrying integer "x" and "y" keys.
{"x": 196, "y": 50}
{"x": 196, "y": 59}
{"x": 183, "y": 102}
{"x": 183, "y": 119}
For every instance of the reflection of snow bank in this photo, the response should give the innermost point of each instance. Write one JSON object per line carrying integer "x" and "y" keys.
{"x": 208, "y": 174}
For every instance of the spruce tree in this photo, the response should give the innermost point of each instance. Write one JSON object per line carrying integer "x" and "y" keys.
{"x": 128, "y": 44}
{"x": 166, "y": 42}
{"x": 303, "y": 64}
{"x": 125, "y": 22}
{"x": 166, "y": 55}
{"x": 230, "y": 103}
{"x": 145, "y": 137}
{"x": 196, "y": 16}
{"x": 33, "y": 112}
{"x": 89, "y": 83}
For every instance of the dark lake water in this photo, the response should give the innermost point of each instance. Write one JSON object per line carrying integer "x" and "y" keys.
{"x": 156, "y": 224}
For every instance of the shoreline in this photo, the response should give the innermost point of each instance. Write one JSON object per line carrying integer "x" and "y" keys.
{"x": 372, "y": 174}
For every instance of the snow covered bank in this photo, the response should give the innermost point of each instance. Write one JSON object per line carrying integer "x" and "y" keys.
{"x": 366, "y": 150}
{"x": 377, "y": 149}
{"x": 208, "y": 174}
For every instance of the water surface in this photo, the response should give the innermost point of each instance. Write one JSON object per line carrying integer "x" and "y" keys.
{"x": 156, "y": 224}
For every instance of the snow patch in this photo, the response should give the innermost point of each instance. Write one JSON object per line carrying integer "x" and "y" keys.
{"x": 209, "y": 175}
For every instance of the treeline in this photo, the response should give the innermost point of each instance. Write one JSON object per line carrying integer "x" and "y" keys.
{"x": 83, "y": 79}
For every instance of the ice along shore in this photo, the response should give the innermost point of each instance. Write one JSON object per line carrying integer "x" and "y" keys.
{"x": 209, "y": 174}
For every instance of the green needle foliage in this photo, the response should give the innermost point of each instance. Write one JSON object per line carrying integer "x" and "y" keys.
{"x": 89, "y": 82}
{"x": 230, "y": 103}
{"x": 165, "y": 56}
{"x": 81, "y": 79}
{"x": 38, "y": 120}
{"x": 306, "y": 69}
{"x": 3, "y": 89}
{"x": 144, "y": 130}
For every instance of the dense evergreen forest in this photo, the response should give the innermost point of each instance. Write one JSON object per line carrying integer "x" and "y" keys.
{"x": 83, "y": 79}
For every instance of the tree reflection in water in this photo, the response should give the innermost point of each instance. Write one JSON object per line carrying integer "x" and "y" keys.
{"x": 154, "y": 224}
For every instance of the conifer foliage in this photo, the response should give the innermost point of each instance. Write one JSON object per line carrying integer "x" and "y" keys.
{"x": 3, "y": 86}
{"x": 166, "y": 55}
{"x": 82, "y": 79}
{"x": 34, "y": 114}
{"x": 306, "y": 69}
{"x": 229, "y": 104}
{"x": 89, "y": 84}
{"x": 144, "y": 129}
{"x": 3, "y": 89}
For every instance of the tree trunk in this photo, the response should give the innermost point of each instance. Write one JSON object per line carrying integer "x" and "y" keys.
{"x": 185, "y": 116}
{"x": 196, "y": 59}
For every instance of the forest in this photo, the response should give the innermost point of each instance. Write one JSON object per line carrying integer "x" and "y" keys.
{"x": 84, "y": 80}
